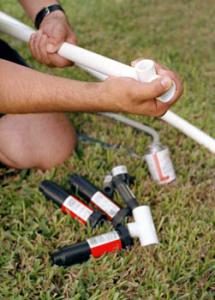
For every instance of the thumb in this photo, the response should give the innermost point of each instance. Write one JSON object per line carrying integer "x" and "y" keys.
{"x": 56, "y": 39}
{"x": 157, "y": 87}
{"x": 52, "y": 48}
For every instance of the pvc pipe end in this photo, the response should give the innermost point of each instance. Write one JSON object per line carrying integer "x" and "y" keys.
{"x": 169, "y": 94}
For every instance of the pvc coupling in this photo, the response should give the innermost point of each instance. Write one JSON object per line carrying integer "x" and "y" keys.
{"x": 146, "y": 72}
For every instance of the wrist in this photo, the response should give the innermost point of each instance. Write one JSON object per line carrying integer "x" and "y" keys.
{"x": 105, "y": 97}
{"x": 53, "y": 16}
{"x": 91, "y": 97}
{"x": 54, "y": 10}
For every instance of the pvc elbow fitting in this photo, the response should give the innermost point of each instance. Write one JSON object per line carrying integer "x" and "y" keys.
{"x": 143, "y": 227}
{"x": 146, "y": 72}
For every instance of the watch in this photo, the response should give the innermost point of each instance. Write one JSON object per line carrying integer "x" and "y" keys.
{"x": 44, "y": 12}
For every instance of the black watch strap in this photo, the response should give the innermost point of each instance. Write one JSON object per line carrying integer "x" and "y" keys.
{"x": 44, "y": 12}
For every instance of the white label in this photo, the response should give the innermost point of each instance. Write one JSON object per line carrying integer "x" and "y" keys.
{"x": 103, "y": 239}
{"x": 160, "y": 166}
{"x": 78, "y": 208}
{"x": 105, "y": 204}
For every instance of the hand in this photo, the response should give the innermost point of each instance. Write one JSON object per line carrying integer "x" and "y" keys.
{"x": 45, "y": 43}
{"x": 130, "y": 96}
{"x": 163, "y": 71}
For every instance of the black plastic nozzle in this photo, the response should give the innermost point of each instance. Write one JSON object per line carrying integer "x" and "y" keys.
{"x": 81, "y": 186}
{"x": 71, "y": 255}
{"x": 52, "y": 191}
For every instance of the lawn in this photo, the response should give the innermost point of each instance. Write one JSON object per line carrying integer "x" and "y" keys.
{"x": 178, "y": 34}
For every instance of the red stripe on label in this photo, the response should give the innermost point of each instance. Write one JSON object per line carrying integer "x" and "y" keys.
{"x": 105, "y": 248}
{"x": 157, "y": 165}
{"x": 72, "y": 214}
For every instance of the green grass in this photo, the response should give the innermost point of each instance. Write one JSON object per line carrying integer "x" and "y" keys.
{"x": 180, "y": 35}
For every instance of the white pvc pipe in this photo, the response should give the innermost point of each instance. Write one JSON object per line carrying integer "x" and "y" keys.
{"x": 190, "y": 130}
{"x": 170, "y": 117}
{"x": 101, "y": 67}
{"x": 15, "y": 28}
{"x": 145, "y": 72}
{"x": 71, "y": 52}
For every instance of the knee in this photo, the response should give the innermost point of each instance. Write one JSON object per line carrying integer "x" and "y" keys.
{"x": 36, "y": 141}
{"x": 57, "y": 148}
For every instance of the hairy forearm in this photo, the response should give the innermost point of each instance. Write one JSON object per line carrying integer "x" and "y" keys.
{"x": 23, "y": 90}
{"x": 33, "y": 7}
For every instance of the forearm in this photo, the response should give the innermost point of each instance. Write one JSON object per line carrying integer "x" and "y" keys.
{"x": 33, "y": 7}
{"x": 23, "y": 90}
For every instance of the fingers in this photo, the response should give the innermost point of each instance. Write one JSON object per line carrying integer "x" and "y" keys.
{"x": 37, "y": 45}
{"x": 44, "y": 49}
{"x": 146, "y": 93}
{"x": 163, "y": 71}
{"x": 33, "y": 44}
{"x": 56, "y": 39}
{"x": 155, "y": 88}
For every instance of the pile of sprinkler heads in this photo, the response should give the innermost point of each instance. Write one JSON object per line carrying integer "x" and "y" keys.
{"x": 92, "y": 206}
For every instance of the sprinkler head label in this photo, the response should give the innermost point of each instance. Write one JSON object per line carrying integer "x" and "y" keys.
{"x": 107, "y": 242}
{"x": 160, "y": 166}
{"x": 105, "y": 204}
{"x": 76, "y": 209}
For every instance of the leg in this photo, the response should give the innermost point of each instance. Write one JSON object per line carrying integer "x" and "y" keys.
{"x": 35, "y": 140}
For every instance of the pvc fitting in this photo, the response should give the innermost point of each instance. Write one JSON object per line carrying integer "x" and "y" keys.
{"x": 143, "y": 227}
{"x": 107, "y": 186}
{"x": 119, "y": 170}
{"x": 146, "y": 72}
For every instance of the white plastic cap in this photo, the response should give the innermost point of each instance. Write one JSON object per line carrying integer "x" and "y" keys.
{"x": 143, "y": 227}
{"x": 107, "y": 179}
{"x": 146, "y": 72}
{"x": 118, "y": 170}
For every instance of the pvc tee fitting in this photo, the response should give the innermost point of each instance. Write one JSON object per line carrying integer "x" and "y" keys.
{"x": 69, "y": 204}
{"x": 143, "y": 227}
{"x": 146, "y": 72}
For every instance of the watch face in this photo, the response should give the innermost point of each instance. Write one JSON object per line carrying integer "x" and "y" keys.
{"x": 47, "y": 10}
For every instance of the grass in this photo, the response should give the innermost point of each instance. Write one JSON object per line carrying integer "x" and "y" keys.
{"x": 178, "y": 34}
